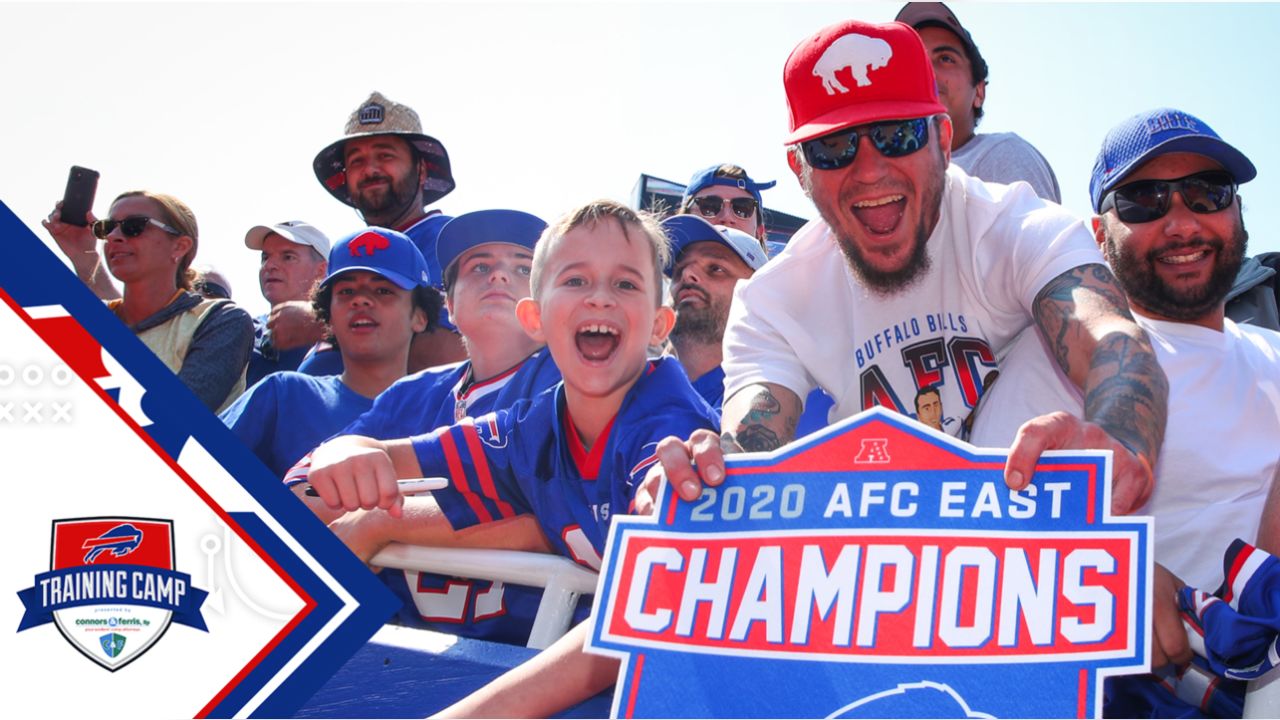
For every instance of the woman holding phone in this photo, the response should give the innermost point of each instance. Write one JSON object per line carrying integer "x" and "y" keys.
{"x": 149, "y": 241}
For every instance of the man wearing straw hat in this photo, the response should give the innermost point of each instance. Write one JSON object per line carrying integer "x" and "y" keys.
{"x": 389, "y": 171}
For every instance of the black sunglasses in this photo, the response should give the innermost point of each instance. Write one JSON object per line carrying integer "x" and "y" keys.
{"x": 710, "y": 206}
{"x": 1147, "y": 200}
{"x": 894, "y": 138}
{"x": 131, "y": 226}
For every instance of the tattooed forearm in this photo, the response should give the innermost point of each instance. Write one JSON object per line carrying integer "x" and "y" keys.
{"x": 1077, "y": 296}
{"x": 767, "y": 424}
{"x": 1127, "y": 393}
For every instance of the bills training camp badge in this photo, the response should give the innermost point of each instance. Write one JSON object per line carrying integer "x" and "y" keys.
{"x": 112, "y": 589}
{"x": 877, "y": 569}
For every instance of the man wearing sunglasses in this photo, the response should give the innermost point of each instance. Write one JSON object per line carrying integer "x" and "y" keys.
{"x": 1170, "y": 224}
{"x": 918, "y": 275}
{"x": 961, "y": 73}
{"x": 726, "y": 195}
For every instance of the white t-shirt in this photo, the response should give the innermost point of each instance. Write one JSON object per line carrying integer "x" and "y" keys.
{"x": 1221, "y": 444}
{"x": 804, "y": 320}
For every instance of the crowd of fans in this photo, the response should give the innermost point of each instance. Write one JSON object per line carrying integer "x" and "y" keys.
{"x": 517, "y": 357}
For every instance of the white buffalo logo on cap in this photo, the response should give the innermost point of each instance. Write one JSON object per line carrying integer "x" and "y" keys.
{"x": 859, "y": 53}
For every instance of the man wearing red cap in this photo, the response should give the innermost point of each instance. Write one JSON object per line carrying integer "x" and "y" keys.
{"x": 915, "y": 275}
{"x": 919, "y": 275}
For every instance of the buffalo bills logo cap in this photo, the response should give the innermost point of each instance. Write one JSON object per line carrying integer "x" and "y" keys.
{"x": 386, "y": 252}
{"x": 853, "y": 73}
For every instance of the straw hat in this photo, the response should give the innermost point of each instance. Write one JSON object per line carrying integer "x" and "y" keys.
{"x": 380, "y": 116}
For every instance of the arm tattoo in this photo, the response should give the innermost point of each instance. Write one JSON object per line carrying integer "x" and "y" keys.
{"x": 754, "y": 433}
{"x": 1056, "y": 307}
{"x": 1125, "y": 390}
{"x": 1130, "y": 394}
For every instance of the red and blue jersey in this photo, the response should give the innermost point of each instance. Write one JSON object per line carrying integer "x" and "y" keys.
{"x": 1235, "y": 636}
{"x": 435, "y": 397}
{"x": 528, "y": 459}
{"x": 419, "y": 403}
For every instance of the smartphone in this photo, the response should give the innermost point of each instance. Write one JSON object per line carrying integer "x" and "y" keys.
{"x": 77, "y": 201}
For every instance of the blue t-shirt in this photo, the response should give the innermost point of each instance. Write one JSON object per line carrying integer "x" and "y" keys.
{"x": 287, "y": 414}
{"x": 527, "y": 461}
{"x": 266, "y": 359}
{"x": 710, "y": 387}
{"x": 322, "y": 359}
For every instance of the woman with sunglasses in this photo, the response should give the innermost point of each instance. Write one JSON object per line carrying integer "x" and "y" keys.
{"x": 150, "y": 240}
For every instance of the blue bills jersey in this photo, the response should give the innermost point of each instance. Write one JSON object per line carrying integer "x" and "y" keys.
{"x": 422, "y": 402}
{"x": 1235, "y": 637}
{"x": 435, "y": 397}
{"x": 527, "y": 459}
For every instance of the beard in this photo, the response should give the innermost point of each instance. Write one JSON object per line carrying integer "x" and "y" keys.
{"x": 386, "y": 203}
{"x": 889, "y": 282}
{"x": 701, "y": 324}
{"x": 1146, "y": 289}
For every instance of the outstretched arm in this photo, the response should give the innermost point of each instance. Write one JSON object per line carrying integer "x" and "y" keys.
{"x": 1085, "y": 320}
{"x": 758, "y": 418}
{"x": 422, "y": 522}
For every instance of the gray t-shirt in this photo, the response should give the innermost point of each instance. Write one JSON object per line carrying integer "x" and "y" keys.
{"x": 1006, "y": 158}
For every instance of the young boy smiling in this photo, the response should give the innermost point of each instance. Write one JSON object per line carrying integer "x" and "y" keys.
{"x": 547, "y": 473}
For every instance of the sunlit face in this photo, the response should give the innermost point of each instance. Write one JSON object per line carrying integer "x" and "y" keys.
{"x": 491, "y": 278}
{"x": 1182, "y": 265}
{"x": 288, "y": 271}
{"x": 382, "y": 177}
{"x": 372, "y": 318}
{"x": 882, "y": 210}
{"x": 702, "y": 283}
{"x": 597, "y": 310}
{"x": 727, "y": 217}
{"x": 954, "y": 74}
{"x": 152, "y": 254}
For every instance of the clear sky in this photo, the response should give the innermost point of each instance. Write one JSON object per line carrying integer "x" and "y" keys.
{"x": 545, "y": 105}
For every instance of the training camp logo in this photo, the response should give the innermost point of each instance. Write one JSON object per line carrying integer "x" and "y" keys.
{"x": 112, "y": 589}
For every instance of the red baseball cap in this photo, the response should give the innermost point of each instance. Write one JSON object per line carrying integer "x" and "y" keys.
{"x": 853, "y": 73}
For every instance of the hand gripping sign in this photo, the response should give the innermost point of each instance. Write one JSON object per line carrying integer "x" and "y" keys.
{"x": 877, "y": 569}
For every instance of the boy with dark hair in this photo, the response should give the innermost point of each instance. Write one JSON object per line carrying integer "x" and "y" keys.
{"x": 374, "y": 300}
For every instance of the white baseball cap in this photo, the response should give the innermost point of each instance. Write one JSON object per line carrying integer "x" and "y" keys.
{"x": 295, "y": 231}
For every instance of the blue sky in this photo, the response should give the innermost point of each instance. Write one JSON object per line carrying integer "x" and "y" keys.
{"x": 545, "y": 105}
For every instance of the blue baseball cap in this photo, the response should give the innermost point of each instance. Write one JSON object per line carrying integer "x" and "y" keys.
{"x": 707, "y": 177}
{"x": 468, "y": 230}
{"x": 386, "y": 252}
{"x": 1149, "y": 135}
{"x": 685, "y": 230}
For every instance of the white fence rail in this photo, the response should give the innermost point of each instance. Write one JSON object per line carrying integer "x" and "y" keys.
{"x": 564, "y": 580}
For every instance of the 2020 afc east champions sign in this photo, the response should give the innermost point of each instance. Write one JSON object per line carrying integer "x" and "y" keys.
{"x": 878, "y": 569}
